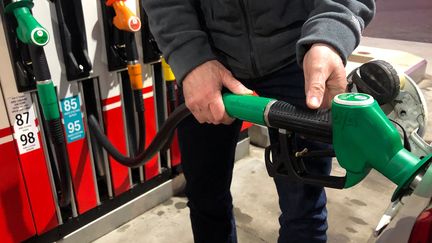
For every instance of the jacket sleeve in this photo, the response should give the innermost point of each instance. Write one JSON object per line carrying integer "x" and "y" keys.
{"x": 338, "y": 23}
{"x": 177, "y": 30}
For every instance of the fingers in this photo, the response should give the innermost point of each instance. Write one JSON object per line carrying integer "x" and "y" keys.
{"x": 218, "y": 112}
{"x": 202, "y": 92}
{"x": 234, "y": 85}
{"x": 324, "y": 76}
{"x": 315, "y": 86}
{"x": 198, "y": 114}
{"x": 336, "y": 84}
{"x": 214, "y": 114}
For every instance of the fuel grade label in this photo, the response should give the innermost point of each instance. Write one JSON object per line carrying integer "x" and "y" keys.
{"x": 23, "y": 118}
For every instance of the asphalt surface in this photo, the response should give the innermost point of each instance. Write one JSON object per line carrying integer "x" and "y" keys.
{"x": 409, "y": 20}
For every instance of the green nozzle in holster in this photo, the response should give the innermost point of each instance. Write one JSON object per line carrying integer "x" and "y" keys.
{"x": 48, "y": 100}
{"x": 29, "y": 31}
{"x": 364, "y": 138}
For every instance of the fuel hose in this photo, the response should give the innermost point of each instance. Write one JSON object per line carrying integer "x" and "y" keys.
{"x": 260, "y": 110}
{"x": 51, "y": 113}
{"x": 135, "y": 76}
{"x": 126, "y": 21}
{"x": 159, "y": 141}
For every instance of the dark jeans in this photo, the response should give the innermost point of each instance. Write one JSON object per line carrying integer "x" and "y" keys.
{"x": 208, "y": 159}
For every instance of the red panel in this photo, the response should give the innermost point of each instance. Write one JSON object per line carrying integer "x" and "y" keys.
{"x": 114, "y": 127}
{"x": 111, "y": 100}
{"x": 5, "y": 132}
{"x": 34, "y": 167}
{"x": 152, "y": 167}
{"x": 82, "y": 175}
{"x": 16, "y": 222}
{"x": 246, "y": 125}
{"x": 175, "y": 151}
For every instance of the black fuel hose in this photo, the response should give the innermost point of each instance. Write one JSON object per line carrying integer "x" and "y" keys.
{"x": 160, "y": 140}
{"x": 132, "y": 58}
{"x": 139, "y": 107}
{"x": 61, "y": 154}
{"x": 55, "y": 129}
{"x": 131, "y": 47}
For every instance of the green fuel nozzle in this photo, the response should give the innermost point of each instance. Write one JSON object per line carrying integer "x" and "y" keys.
{"x": 362, "y": 136}
{"x": 29, "y": 31}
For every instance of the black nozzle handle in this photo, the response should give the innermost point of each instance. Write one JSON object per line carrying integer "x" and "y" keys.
{"x": 140, "y": 112}
{"x": 39, "y": 63}
{"x": 73, "y": 39}
{"x": 315, "y": 124}
{"x": 131, "y": 47}
{"x": 151, "y": 52}
{"x": 285, "y": 164}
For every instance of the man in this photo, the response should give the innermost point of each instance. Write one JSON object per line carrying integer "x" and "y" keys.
{"x": 244, "y": 45}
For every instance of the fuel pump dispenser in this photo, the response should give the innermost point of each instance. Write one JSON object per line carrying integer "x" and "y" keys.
{"x": 33, "y": 112}
{"x": 59, "y": 167}
{"x": 120, "y": 26}
{"x": 126, "y": 21}
{"x": 31, "y": 33}
{"x": 71, "y": 68}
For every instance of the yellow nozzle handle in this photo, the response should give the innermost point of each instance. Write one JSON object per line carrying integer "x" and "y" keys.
{"x": 125, "y": 19}
{"x": 167, "y": 71}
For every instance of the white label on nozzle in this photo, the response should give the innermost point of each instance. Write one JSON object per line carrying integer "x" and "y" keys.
{"x": 354, "y": 99}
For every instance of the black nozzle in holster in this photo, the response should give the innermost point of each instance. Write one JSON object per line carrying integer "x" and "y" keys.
{"x": 73, "y": 39}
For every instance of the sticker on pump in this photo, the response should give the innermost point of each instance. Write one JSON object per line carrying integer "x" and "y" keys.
{"x": 23, "y": 118}
{"x": 134, "y": 23}
{"x": 72, "y": 118}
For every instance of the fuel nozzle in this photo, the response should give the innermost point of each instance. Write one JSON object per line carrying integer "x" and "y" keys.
{"x": 364, "y": 138}
{"x": 29, "y": 31}
{"x": 167, "y": 72}
{"x": 125, "y": 19}
{"x": 170, "y": 81}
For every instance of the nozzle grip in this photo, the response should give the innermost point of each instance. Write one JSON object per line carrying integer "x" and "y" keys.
{"x": 312, "y": 123}
{"x": 29, "y": 31}
{"x": 125, "y": 19}
{"x": 48, "y": 100}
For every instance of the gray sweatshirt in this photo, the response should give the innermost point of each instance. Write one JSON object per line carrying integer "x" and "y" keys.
{"x": 253, "y": 38}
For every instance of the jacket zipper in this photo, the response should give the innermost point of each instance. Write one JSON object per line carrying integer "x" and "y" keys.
{"x": 252, "y": 54}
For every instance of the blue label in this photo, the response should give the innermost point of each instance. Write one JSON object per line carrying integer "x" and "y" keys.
{"x": 72, "y": 118}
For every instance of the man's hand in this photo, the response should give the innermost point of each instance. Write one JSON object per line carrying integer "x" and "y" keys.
{"x": 325, "y": 76}
{"x": 202, "y": 92}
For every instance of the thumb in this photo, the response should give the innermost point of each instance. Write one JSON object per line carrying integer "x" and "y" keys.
{"x": 315, "y": 84}
{"x": 235, "y": 86}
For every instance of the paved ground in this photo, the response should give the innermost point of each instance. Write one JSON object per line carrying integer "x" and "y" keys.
{"x": 402, "y": 20}
{"x": 353, "y": 213}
